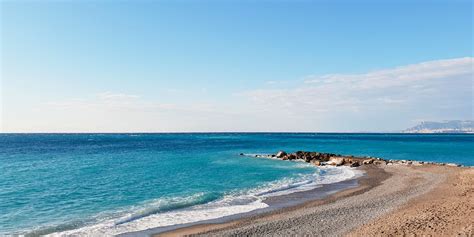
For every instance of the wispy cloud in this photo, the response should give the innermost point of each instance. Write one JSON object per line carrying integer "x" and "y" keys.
{"x": 112, "y": 100}
{"x": 116, "y": 96}
{"x": 425, "y": 89}
{"x": 400, "y": 76}
{"x": 113, "y": 111}
{"x": 379, "y": 100}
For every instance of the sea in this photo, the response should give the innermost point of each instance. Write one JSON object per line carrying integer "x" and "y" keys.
{"x": 110, "y": 184}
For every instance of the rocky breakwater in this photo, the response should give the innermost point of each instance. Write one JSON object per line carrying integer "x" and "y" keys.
{"x": 321, "y": 159}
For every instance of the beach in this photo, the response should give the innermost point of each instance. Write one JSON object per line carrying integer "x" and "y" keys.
{"x": 398, "y": 199}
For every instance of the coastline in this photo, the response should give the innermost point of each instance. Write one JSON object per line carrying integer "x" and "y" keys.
{"x": 276, "y": 203}
{"x": 387, "y": 194}
{"x": 315, "y": 197}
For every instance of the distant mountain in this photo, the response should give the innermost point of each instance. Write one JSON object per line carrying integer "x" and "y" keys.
{"x": 448, "y": 126}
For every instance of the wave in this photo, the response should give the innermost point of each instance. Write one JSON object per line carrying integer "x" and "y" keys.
{"x": 167, "y": 204}
{"x": 208, "y": 206}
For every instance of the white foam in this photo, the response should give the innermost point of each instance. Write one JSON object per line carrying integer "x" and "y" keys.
{"x": 109, "y": 228}
{"x": 331, "y": 175}
{"x": 231, "y": 204}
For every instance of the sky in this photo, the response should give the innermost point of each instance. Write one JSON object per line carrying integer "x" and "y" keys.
{"x": 234, "y": 66}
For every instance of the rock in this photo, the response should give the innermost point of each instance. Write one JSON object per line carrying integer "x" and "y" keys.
{"x": 320, "y": 159}
{"x": 281, "y": 154}
{"x": 417, "y": 163}
{"x": 337, "y": 161}
{"x": 453, "y": 165}
{"x": 242, "y": 154}
{"x": 355, "y": 164}
{"x": 316, "y": 162}
{"x": 315, "y": 155}
{"x": 368, "y": 162}
{"x": 324, "y": 157}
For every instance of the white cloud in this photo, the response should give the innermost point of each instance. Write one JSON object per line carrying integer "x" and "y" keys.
{"x": 390, "y": 97}
{"x": 114, "y": 96}
{"x": 118, "y": 112}
{"x": 380, "y": 100}
{"x": 111, "y": 101}
{"x": 401, "y": 76}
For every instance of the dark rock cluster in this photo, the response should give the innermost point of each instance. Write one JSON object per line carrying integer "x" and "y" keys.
{"x": 321, "y": 159}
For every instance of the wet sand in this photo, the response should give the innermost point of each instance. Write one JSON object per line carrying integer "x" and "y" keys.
{"x": 390, "y": 200}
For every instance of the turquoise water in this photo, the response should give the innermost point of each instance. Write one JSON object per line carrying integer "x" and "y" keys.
{"x": 61, "y": 182}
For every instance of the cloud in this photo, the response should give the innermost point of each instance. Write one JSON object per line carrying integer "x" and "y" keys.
{"x": 112, "y": 101}
{"x": 439, "y": 89}
{"x": 103, "y": 100}
{"x": 119, "y": 112}
{"x": 116, "y": 96}
{"x": 381, "y": 100}
{"x": 400, "y": 76}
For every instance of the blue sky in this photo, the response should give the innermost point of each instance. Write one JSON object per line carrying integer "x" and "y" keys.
{"x": 234, "y": 65}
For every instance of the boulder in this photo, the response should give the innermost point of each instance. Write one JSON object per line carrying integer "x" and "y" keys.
{"x": 417, "y": 163}
{"x": 281, "y": 154}
{"x": 368, "y": 161}
{"x": 324, "y": 157}
{"x": 337, "y": 161}
{"x": 348, "y": 160}
{"x": 292, "y": 157}
{"x": 314, "y": 154}
{"x": 316, "y": 162}
{"x": 453, "y": 165}
{"x": 308, "y": 158}
{"x": 355, "y": 164}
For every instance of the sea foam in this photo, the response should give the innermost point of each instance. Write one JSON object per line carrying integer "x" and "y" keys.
{"x": 233, "y": 203}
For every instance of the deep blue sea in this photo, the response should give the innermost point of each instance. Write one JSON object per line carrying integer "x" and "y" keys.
{"x": 116, "y": 183}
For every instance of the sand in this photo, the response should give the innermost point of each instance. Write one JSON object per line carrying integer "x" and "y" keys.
{"x": 390, "y": 200}
{"x": 447, "y": 210}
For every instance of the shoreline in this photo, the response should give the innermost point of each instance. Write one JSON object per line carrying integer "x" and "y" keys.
{"x": 370, "y": 178}
{"x": 384, "y": 196}
{"x": 275, "y": 204}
